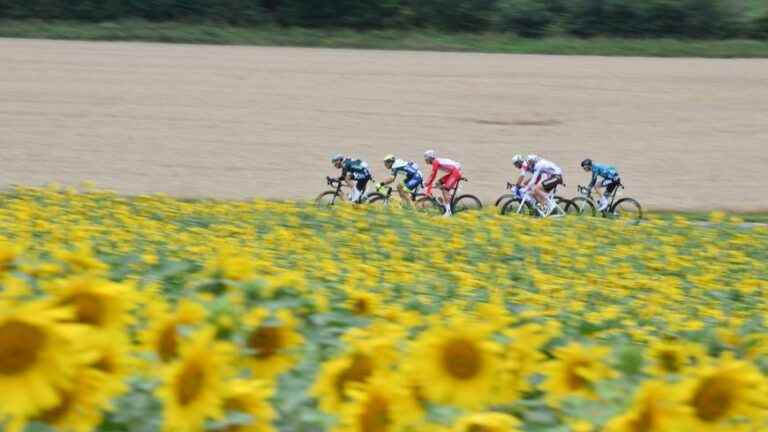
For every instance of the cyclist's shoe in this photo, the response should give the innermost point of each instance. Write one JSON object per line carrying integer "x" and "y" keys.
{"x": 602, "y": 204}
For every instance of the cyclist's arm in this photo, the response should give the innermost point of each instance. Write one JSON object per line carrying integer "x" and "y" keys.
{"x": 431, "y": 179}
{"x": 593, "y": 182}
{"x": 388, "y": 180}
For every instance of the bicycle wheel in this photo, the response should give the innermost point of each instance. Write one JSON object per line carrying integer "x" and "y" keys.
{"x": 429, "y": 205}
{"x": 582, "y": 206}
{"x": 503, "y": 200}
{"x": 627, "y": 208}
{"x": 466, "y": 202}
{"x": 516, "y": 207}
{"x": 376, "y": 198}
{"x": 563, "y": 204}
{"x": 328, "y": 199}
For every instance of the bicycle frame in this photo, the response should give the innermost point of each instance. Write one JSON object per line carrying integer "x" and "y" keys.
{"x": 339, "y": 184}
{"x": 587, "y": 193}
{"x": 552, "y": 205}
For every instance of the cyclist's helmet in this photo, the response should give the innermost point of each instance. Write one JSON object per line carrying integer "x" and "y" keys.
{"x": 517, "y": 160}
{"x": 586, "y": 163}
{"x": 430, "y": 154}
{"x": 389, "y": 158}
{"x": 337, "y": 158}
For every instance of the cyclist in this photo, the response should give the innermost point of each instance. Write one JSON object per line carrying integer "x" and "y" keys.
{"x": 353, "y": 169}
{"x": 412, "y": 177}
{"x": 446, "y": 182}
{"x": 543, "y": 176}
{"x": 610, "y": 180}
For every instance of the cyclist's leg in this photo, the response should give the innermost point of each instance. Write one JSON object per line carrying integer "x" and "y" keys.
{"x": 360, "y": 185}
{"x": 538, "y": 190}
{"x": 450, "y": 182}
{"x": 408, "y": 188}
{"x": 604, "y": 189}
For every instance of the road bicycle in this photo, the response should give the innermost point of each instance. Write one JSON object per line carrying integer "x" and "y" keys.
{"x": 523, "y": 202}
{"x": 331, "y": 197}
{"x": 505, "y": 198}
{"x": 464, "y": 202}
{"x": 501, "y": 200}
{"x": 385, "y": 195}
{"x": 623, "y": 208}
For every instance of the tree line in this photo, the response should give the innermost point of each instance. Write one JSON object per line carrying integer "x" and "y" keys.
{"x": 528, "y": 18}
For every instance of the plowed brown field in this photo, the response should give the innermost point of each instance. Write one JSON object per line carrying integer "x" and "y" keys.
{"x": 234, "y": 122}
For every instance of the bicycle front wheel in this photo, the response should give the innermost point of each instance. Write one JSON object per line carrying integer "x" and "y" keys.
{"x": 503, "y": 200}
{"x": 517, "y": 207}
{"x": 429, "y": 205}
{"x": 376, "y": 198}
{"x": 328, "y": 199}
{"x": 582, "y": 206}
{"x": 627, "y": 208}
{"x": 466, "y": 202}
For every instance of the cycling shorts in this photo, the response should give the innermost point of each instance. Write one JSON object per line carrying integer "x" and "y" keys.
{"x": 610, "y": 184}
{"x": 413, "y": 184}
{"x": 450, "y": 180}
{"x": 550, "y": 182}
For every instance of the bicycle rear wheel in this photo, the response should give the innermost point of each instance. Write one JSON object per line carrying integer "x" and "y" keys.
{"x": 582, "y": 206}
{"x": 563, "y": 204}
{"x": 627, "y": 208}
{"x": 429, "y": 205}
{"x": 328, "y": 199}
{"x": 516, "y": 207}
{"x": 466, "y": 202}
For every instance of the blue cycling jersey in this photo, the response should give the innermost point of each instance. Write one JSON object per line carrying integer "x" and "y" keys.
{"x": 408, "y": 169}
{"x": 602, "y": 170}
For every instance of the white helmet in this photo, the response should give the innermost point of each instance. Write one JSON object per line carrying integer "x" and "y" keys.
{"x": 430, "y": 154}
{"x": 517, "y": 159}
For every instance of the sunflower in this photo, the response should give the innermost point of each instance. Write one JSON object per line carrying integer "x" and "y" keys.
{"x": 194, "y": 385}
{"x": 8, "y": 254}
{"x": 113, "y": 357}
{"x": 250, "y": 397}
{"x": 575, "y": 371}
{"x": 455, "y": 363}
{"x": 337, "y": 376}
{"x": 39, "y": 356}
{"x": 80, "y": 409}
{"x": 362, "y": 302}
{"x": 163, "y": 336}
{"x": 382, "y": 404}
{"x": 97, "y": 302}
{"x": 269, "y": 342}
{"x": 673, "y": 357}
{"x": 487, "y": 422}
{"x": 656, "y": 408}
{"x": 520, "y": 359}
{"x": 721, "y": 393}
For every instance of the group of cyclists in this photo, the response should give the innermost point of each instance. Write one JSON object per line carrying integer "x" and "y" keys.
{"x": 537, "y": 175}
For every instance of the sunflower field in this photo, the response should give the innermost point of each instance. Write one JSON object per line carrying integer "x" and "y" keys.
{"x": 152, "y": 313}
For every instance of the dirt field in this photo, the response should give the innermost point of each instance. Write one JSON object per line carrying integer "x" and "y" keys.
{"x": 238, "y": 122}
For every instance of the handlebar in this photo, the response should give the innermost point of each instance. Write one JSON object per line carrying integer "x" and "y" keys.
{"x": 332, "y": 181}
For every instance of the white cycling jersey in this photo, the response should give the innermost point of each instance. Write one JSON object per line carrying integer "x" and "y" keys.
{"x": 546, "y": 168}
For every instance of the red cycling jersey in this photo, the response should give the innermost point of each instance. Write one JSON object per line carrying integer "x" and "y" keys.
{"x": 448, "y": 181}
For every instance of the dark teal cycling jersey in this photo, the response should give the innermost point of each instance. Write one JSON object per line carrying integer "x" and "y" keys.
{"x": 607, "y": 172}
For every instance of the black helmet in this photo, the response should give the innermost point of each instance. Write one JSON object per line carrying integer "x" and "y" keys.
{"x": 586, "y": 163}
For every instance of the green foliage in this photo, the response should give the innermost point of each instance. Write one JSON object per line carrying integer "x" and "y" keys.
{"x": 453, "y": 15}
{"x": 527, "y": 18}
{"x": 677, "y": 18}
{"x": 340, "y": 13}
{"x": 761, "y": 27}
